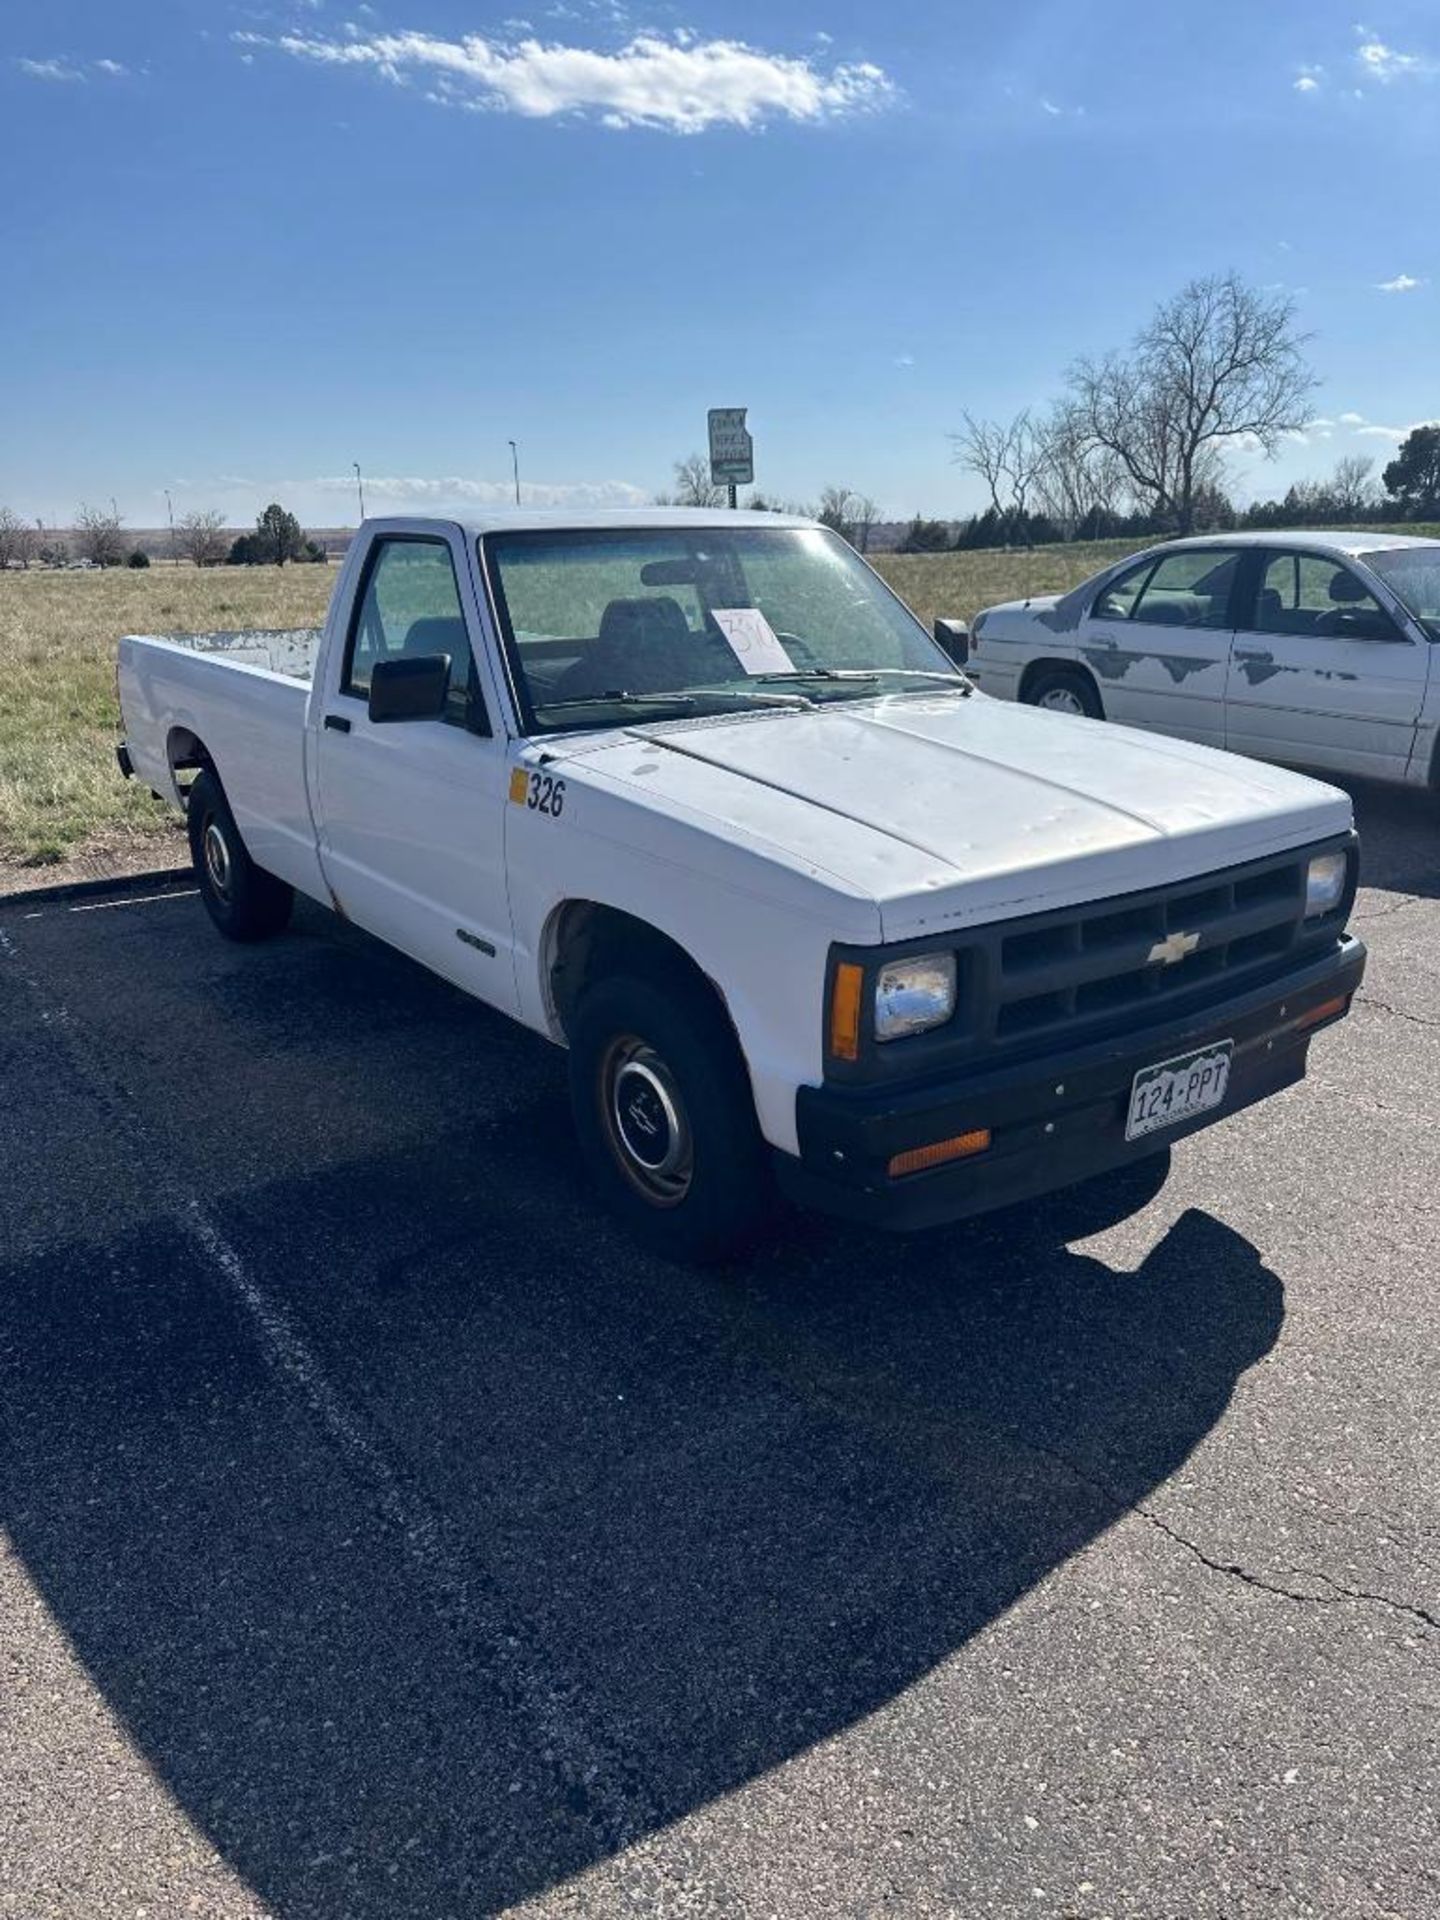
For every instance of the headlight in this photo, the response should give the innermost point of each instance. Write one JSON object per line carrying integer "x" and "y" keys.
{"x": 1324, "y": 884}
{"x": 913, "y": 995}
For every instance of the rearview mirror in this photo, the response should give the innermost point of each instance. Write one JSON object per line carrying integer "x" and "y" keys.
{"x": 953, "y": 637}
{"x": 410, "y": 688}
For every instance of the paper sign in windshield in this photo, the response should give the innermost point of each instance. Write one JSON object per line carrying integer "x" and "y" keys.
{"x": 752, "y": 640}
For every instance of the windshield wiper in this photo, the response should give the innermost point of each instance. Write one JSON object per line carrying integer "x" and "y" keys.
{"x": 623, "y": 697}
{"x": 956, "y": 680}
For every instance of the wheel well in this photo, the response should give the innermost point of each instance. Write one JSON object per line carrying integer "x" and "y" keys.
{"x": 1071, "y": 667}
{"x": 585, "y": 941}
{"x": 187, "y": 753}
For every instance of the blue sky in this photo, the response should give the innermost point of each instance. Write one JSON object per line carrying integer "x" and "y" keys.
{"x": 259, "y": 242}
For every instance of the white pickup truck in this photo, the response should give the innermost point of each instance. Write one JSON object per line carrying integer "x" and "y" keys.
{"x": 696, "y": 797}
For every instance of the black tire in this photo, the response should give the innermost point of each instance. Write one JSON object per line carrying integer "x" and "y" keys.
{"x": 680, "y": 1160}
{"x": 1064, "y": 690}
{"x": 244, "y": 901}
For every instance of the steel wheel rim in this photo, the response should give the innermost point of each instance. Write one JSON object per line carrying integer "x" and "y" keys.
{"x": 1061, "y": 700}
{"x": 646, "y": 1126}
{"x": 217, "y": 859}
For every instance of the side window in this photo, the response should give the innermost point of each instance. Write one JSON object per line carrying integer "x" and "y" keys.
{"x": 1188, "y": 590}
{"x": 1309, "y": 594}
{"x": 1116, "y": 601}
{"x": 411, "y": 606}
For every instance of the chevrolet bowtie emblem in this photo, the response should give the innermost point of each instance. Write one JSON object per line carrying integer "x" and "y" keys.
{"x": 1170, "y": 951}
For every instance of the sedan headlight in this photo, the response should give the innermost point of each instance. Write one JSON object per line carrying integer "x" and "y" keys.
{"x": 913, "y": 995}
{"x": 1325, "y": 884}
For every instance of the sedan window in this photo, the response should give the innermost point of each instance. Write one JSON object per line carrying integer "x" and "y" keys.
{"x": 1310, "y": 594}
{"x": 1188, "y": 589}
{"x": 1117, "y": 600}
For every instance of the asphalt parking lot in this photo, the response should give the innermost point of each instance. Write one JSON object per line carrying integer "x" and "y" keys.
{"x": 380, "y": 1534}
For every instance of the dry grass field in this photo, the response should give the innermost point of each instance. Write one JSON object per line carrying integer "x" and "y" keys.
{"x": 60, "y": 791}
{"x": 61, "y": 796}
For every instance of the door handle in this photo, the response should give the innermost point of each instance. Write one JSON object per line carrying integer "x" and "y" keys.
{"x": 337, "y": 723}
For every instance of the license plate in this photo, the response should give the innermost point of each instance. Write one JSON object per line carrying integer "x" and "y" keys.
{"x": 1176, "y": 1090}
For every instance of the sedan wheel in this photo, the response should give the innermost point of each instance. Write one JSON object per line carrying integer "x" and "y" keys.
{"x": 1061, "y": 700}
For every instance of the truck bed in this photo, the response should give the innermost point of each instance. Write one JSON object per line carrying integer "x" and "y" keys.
{"x": 239, "y": 699}
{"x": 289, "y": 651}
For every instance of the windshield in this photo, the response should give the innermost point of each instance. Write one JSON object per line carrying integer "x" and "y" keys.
{"x": 600, "y": 623}
{"x": 1413, "y": 576}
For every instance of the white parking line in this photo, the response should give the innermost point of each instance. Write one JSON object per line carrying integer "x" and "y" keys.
{"x": 603, "y": 1783}
{"x": 134, "y": 900}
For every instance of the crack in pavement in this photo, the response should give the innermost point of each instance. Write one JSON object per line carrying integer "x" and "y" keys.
{"x": 1371, "y": 1105}
{"x": 1233, "y": 1570}
{"x": 1396, "y": 906}
{"x": 1400, "y": 1013}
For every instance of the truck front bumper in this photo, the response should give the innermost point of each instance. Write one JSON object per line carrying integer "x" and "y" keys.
{"x": 1052, "y": 1122}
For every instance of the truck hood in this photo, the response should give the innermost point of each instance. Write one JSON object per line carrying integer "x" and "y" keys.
{"x": 989, "y": 809}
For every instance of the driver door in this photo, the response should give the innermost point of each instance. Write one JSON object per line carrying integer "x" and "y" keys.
{"x": 1321, "y": 675}
{"x": 412, "y": 812}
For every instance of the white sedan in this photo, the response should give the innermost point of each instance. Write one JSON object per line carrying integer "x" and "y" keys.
{"x": 1316, "y": 649}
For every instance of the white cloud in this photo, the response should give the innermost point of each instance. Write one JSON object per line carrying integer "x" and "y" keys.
{"x": 1352, "y": 419}
{"x": 1309, "y": 79}
{"x": 1384, "y": 63}
{"x": 1369, "y": 431}
{"x": 113, "y": 67}
{"x": 904, "y": 360}
{"x": 49, "y": 70}
{"x": 678, "y": 84}
{"x": 1402, "y": 283}
{"x": 454, "y": 490}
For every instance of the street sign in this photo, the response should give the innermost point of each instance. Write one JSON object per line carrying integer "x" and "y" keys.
{"x": 732, "y": 451}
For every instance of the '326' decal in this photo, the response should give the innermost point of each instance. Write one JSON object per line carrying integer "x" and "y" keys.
{"x": 546, "y": 795}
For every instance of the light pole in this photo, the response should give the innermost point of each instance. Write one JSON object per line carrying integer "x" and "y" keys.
{"x": 515, "y": 465}
{"x": 359, "y": 487}
{"x": 170, "y": 516}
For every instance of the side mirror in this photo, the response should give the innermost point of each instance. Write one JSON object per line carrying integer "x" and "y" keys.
{"x": 953, "y": 637}
{"x": 410, "y": 688}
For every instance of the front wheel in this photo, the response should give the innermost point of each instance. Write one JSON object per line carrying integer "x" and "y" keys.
{"x": 244, "y": 901}
{"x": 1064, "y": 690}
{"x": 666, "y": 1121}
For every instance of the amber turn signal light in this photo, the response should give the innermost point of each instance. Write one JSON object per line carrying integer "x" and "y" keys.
{"x": 960, "y": 1146}
{"x": 845, "y": 1011}
{"x": 1326, "y": 1010}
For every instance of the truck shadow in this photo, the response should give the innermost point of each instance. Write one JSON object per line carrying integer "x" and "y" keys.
{"x": 1399, "y": 836}
{"x": 510, "y": 1546}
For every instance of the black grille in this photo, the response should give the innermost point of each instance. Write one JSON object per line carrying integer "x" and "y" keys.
{"x": 1029, "y": 987}
{"x": 1145, "y": 953}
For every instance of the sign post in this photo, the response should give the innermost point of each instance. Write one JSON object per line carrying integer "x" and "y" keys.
{"x": 732, "y": 451}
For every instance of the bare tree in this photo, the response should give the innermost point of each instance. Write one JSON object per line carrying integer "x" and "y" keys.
{"x": 847, "y": 513}
{"x": 1218, "y": 363}
{"x": 693, "y": 485}
{"x": 200, "y": 536}
{"x": 1351, "y": 486}
{"x": 1008, "y": 457}
{"x": 864, "y": 513}
{"x": 13, "y": 534}
{"x": 99, "y": 536}
{"x": 1075, "y": 478}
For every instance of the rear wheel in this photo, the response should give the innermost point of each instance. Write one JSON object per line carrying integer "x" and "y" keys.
{"x": 244, "y": 901}
{"x": 1064, "y": 690}
{"x": 665, "y": 1117}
